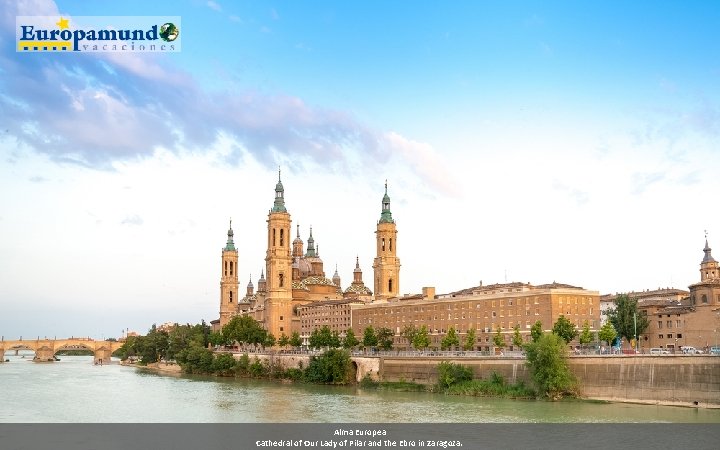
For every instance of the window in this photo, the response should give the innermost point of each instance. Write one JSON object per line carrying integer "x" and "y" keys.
{"x": 677, "y": 324}
{"x": 383, "y": 244}
{"x": 225, "y": 272}
{"x": 670, "y": 336}
{"x": 390, "y": 244}
{"x": 659, "y": 324}
{"x": 669, "y": 323}
{"x": 273, "y": 237}
{"x": 679, "y": 336}
{"x": 230, "y": 296}
{"x": 660, "y": 336}
{"x": 281, "y": 317}
{"x": 282, "y": 237}
{"x": 282, "y": 280}
{"x": 231, "y": 268}
{"x": 704, "y": 298}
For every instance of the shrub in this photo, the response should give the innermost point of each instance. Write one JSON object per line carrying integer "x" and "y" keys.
{"x": 450, "y": 373}
{"x": 547, "y": 359}
{"x": 333, "y": 366}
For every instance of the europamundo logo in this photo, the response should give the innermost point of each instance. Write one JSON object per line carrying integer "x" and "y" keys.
{"x": 97, "y": 34}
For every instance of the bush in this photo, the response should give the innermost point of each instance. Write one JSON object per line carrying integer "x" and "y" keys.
{"x": 547, "y": 359}
{"x": 223, "y": 364}
{"x": 257, "y": 369}
{"x": 450, "y": 373}
{"x": 333, "y": 366}
{"x": 293, "y": 374}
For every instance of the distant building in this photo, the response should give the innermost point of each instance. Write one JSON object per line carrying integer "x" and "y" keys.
{"x": 693, "y": 320}
{"x": 647, "y": 298}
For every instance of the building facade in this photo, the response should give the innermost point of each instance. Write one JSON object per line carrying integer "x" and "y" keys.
{"x": 483, "y": 308}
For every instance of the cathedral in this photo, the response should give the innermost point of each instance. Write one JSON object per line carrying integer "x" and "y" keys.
{"x": 294, "y": 276}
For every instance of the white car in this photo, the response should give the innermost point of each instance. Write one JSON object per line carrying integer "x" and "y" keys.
{"x": 659, "y": 351}
{"x": 691, "y": 351}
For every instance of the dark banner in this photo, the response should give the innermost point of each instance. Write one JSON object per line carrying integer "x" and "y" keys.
{"x": 356, "y": 436}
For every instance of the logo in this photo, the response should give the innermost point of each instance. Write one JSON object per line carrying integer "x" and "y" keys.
{"x": 97, "y": 34}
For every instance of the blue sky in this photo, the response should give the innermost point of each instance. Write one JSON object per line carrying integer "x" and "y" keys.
{"x": 527, "y": 141}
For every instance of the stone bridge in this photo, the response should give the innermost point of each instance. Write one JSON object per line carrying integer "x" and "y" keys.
{"x": 45, "y": 349}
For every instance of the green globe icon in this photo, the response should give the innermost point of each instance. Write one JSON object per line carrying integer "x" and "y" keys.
{"x": 169, "y": 32}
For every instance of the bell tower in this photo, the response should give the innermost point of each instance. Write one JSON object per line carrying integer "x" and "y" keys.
{"x": 709, "y": 269}
{"x": 278, "y": 266}
{"x": 228, "y": 280}
{"x": 386, "y": 264}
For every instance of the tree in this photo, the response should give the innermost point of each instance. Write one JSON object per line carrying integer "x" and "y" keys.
{"x": 334, "y": 340}
{"x": 244, "y": 330}
{"x": 536, "y": 331}
{"x": 369, "y": 337}
{"x": 409, "y": 333}
{"x": 295, "y": 340}
{"x": 607, "y": 333}
{"x": 385, "y": 338}
{"x": 469, "y": 340}
{"x": 450, "y": 340}
{"x": 586, "y": 336}
{"x": 284, "y": 340}
{"x": 565, "y": 329}
{"x": 517, "y": 338}
{"x": 623, "y": 318}
{"x": 421, "y": 340}
{"x": 498, "y": 338}
{"x": 269, "y": 340}
{"x": 217, "y": 338}
{"x": 547, "y": 359}
{"x": 350, "y": 340}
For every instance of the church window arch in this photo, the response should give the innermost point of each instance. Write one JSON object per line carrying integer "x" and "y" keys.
{"x": 273, "y": 237}
{"x": 225, "y": 272}
{"x": 390, "y": 244}
{"x": 704, "y": 298}
{"x": 390, "y": 285}
{"x": 230, "y": 296}
{"x": 231, "y": 268}
{"x": 282, "y": 237}
{"x": 383, "y": 244}
{"x": 281, "y": 278}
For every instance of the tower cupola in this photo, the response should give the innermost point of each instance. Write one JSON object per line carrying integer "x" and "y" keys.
{"x": 279, "y": 205}
{"x": 386, "y": 215}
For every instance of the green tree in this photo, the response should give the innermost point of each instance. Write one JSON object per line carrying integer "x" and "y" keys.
{"x": 536, "y": 331}
{"x": 369, "y": 337}
{"x": 623, "y": 318}
{"x": 295, "y": 340}
{"x": 385, "y": 338}
{"x": 517, "y": 339}
{"x": 547, "y": 359}
{"x": 586, "y": 335}
{"x": 565, "y": 329}
{"x": 469, "y": 343}
{"x": 451, "y": 373}
{"x": 421, "y": 340}
{"x": 607, "y": 333}
{"x": 244, "y": 330}
{"x": 284, "y": 340}
{"x": 450, "y": 340}
{"x": 269, "y": 340}
{"x": 217, "y": 338}
{"x": 350, "y": 340}
{"x": 334, "y": 341}
{"x": 409, "y": 333}
{"x": 333, "y": 366}
{"x": 498, "y": 338}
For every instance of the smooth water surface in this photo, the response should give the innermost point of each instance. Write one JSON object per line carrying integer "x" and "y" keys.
{"x": 74, "y": 390}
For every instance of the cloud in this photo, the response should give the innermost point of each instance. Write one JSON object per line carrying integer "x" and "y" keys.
{"x": 642, "y": 181}
{"x": 95, "y": 109}
{"x": 38, "y": 179}
{"x": 214, "y": 6}
{"x": 579, "y": 196}
{"x": 425, "y": 161}
{"x": 132, "y": 220}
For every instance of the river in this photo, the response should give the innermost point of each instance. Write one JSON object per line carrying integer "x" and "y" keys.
{"x": 73, "y": 390}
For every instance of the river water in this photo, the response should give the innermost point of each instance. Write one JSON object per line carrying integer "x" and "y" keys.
{"x": 74, "y": 390}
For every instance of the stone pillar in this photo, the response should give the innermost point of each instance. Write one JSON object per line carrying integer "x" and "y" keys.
{"x": 44, "y": 354}
{"x": 102, "y": 356}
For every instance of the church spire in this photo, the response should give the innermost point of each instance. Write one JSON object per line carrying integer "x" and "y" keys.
{"x": 311, "y": 245}
{"x": 708, "y": 255}
{"x": 230, "y": 246}
{"x": 386, "y": 215}
{"x": 279, "y": 205}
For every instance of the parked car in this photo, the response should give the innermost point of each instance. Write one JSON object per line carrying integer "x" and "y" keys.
{"x": 659, "y": 351}
{"x": 691, "y": 351}
{"x": 715, "y": 351}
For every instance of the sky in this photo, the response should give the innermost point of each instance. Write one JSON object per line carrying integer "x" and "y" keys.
{"x": 520, "y": 141}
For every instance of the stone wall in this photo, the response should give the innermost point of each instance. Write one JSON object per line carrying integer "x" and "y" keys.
{"x": 673, "y": 380}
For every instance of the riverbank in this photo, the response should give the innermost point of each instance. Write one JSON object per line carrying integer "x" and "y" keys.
{"x": 160, "y": 367}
